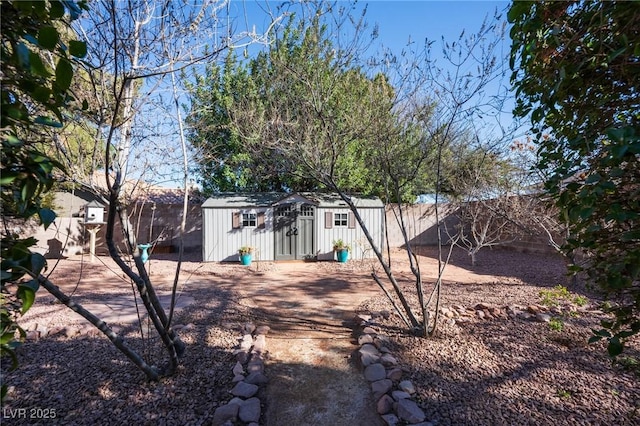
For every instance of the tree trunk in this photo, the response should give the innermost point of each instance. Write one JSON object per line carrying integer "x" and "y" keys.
{"x": 376, "y": 250}
{"x": 116, "y": 339}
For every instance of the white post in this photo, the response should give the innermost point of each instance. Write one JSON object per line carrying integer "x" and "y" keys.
{"x": 92, "y": 242}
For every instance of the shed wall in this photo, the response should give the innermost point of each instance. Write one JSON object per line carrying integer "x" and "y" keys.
{"x": 360, "y": 247}
{"x": 221, "y": 242}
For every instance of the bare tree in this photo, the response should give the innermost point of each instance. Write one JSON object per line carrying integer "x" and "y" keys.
{"x": 133, "y": 49}
{"x": 455, "y": 96}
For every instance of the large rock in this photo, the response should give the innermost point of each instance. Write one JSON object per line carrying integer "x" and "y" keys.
{"x": 250, "y": 410}
{"x": 375, "y": 372}
{"x": 388, "y": 360}
{"x": 246, "y": 343}
{"x": 244, "y": 390}
{"x": 384, "y": 405}
{"x": 407, "y": 386}
{"x": 390, "y": 419}
{"x": 408, "y": 410}
{"x": 380, "y": 388}
{"x": 241, "y": 356}
{"x": 260, "y": 343}
{"x": 238, "y": 369}
{"x": 365, "y": 338}
{"x": 483, "y": 306}
{"x": 257, "y": 378}
{"x": 368, "y": 354}
{"x": 398, "y": 395}
{"x": 395, "y": 374}
{"x": 225, "y": 413}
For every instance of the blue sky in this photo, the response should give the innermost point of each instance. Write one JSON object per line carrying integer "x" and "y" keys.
{"x": 397, "y": 20}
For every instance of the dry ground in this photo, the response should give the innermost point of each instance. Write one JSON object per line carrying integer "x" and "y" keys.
{"x": 497, "y": 371}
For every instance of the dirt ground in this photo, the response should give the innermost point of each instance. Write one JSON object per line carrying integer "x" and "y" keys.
{"x": 309, "y": 308}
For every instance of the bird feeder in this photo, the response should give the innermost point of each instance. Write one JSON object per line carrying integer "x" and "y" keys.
{"x": 94, "y": 212}
{"x": 93, "y": 219}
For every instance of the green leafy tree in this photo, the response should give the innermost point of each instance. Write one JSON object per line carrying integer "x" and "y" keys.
{"x": 310, "y": 107}
{"x": 575, "y": 70}
{"x": 224, "y": 162}
{"x": 37, "y": 69}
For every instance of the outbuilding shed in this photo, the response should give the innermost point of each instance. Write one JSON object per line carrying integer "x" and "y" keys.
{"x": 297, "y": 226}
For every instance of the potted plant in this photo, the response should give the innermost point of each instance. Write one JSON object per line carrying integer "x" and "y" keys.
{"x": 246, "y": 255}
{"x": 342, "y": 250}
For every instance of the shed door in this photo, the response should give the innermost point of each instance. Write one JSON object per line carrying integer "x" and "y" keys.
{"x": 285, "y": 232}
{"x": 305, "y": 232}
{"x": 294, "y": 232}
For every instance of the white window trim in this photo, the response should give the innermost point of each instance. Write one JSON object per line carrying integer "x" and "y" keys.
{"x": 342, "y": 222}
{"x": 252, "y": 216}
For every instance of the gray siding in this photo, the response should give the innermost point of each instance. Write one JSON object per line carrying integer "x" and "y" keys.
{"x": 360, "y": 247}
{"x": 221, "y": 241}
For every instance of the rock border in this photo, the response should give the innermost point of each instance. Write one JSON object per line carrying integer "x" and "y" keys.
{"x": 245, "y": 408}
{"x": 392, "y": 394}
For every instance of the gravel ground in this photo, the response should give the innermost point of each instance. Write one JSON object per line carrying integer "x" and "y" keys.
{"x": 498, "y": 371}
{"x": 85, "y": 380}
{"x": 514, "y": 371}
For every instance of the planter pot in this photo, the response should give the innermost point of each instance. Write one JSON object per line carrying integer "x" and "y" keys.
{"x": 342, "y": 255}
{"x": 144, "y": 256}
{"x": 245, "y": 259}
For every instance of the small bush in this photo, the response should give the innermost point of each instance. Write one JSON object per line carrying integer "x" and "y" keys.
{"x": 556, "y": 324}
{"x": 580, "y": 300}
{"x": 629, "y": 363}
{"x": 564, "y": 394}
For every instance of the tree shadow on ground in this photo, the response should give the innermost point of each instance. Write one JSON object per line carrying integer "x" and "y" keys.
{"x": 83, "y": 377}
{"x": 537, "y": 269}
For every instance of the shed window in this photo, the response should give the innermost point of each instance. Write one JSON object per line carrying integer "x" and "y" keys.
{"x": 249, "y": 219}
{"x": 340, "y": 219}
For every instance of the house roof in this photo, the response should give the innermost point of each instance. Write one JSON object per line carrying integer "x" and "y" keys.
{"x": 95, "y": 203}
{"x": 167, "y": 196}
{"x": 268, "y": 199}
{"x": 139, "y": 191}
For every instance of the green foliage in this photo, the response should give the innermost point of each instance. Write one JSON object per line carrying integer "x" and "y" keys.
{"x": 576, "y": 76}
{"x": 554, "y": 296}
{"x": 36, "y": 75}
{"x": 556, "y": 324}
{"x": 224, "y": 163}
{"x": 629, "y": 363}
{"x": 557, "y": 296}
{"x": 580, "y": 300}
{"x": 564, "y": 394}
{"x": 295, "y": 117}
{"x": 340, "y": 245}
{"x": 245, "y": 250}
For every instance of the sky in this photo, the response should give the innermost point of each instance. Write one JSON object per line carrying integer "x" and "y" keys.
{"x": 397, "y": 20}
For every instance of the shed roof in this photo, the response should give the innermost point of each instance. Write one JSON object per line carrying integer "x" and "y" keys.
{"x": 268, "y": 199}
